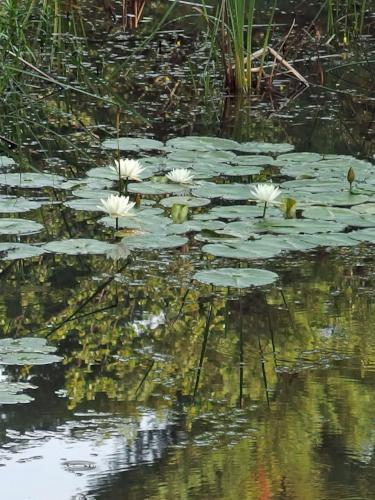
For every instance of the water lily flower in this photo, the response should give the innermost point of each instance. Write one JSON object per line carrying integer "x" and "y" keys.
{"x": 128, "y": 169}
{"x": 116, "y": 206}
{"x": 266, "y": 193}
{"x": 180, "y": 175}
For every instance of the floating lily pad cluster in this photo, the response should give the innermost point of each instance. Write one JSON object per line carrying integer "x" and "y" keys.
{"x": 23, "y": 351}
{"x": 222, "y": 218}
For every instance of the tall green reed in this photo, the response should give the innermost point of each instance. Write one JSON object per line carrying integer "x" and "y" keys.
{"x": 347, "y": 16}
{"x": 231, "y": 31}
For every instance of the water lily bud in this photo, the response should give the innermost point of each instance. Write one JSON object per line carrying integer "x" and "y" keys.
{"x": 351, "y": 175}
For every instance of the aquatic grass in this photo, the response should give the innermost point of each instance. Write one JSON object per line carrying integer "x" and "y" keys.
{"x": 231, "y": 31}
{"x": 348, "y": 15}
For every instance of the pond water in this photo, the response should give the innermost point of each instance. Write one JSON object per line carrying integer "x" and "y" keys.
{"x": 141, "y": 378}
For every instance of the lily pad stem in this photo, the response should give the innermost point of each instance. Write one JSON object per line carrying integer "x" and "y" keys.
{"x": 116, "y": 223}
{"x": 264, "y": 210}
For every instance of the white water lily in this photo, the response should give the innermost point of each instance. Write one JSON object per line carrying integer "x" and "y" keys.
{"x": 180, "y": 175}
{"x": 267, "y": 193}
{"x": 117, "y": 206}
{"x": 128, "y": 169}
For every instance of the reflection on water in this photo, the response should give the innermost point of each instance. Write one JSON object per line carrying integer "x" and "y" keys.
{"x": 280, "y": 397}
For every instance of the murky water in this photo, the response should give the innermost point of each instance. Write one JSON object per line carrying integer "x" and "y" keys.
{"x": 169, "y": 388}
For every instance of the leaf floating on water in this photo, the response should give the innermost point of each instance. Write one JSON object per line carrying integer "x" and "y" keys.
{"x": 27, "y": 351}
{"x": 189, "y": 201}
{"x": 153, "y": 241}
{"x": 78, "y": 246}
{"x": 13, "y": 251}
{"x": 197, "y": 143}
{"x": 265, "y": 147}
{"x": 17, "y": 205}
{"x": 156, "y": 188}
{"x": 236, "y": 277}
{"x": 133, "y": 144}
{"x": 19, "y": 226}
{"x": 10, "y": 393}
{"x": 226, "y": 191}
{"x": 5, "y": 161}
{"x": 31, "y": 180}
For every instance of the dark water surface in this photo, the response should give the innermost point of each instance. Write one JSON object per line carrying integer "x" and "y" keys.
{"x": 274, "y": 396}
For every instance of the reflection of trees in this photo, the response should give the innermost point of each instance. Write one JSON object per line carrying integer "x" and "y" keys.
{"x": 138, "y": 340}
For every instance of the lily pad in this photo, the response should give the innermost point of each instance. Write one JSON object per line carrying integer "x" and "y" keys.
{"x": 14, "y": 251}
{"x": 86, "y": 204}
{"x": 156, "y": 188}
{"x": 237, "y": 278}
{"x": 264, "y": 147}
{"x": 31, "y": 180}
{"x": 133, "y": 144}
{"x": 233, "y": 191}
{"x": 149, "y": 224}
{"x": 78, "y": 246}
{"x": 197, "y": 143}
{"x": 189, "y": 201}
{"x": 27, "y": 351}
{"x": 19, "y": 226}
{"x": 10, "y": 393}
{"x": 197, "y": 156}
{"x": 242, "y": 250}
{"x": 96, "y": 194}
{"x": 298, "y": 157}
{"x": 5, "y": 161}
{"x": 242, "y": 170}
{"x": 17, "y": 205}
{"x": 151, "y": 241}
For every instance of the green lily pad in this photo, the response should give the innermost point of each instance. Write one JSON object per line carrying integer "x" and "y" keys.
{"x": 153, "y": 241}
{"x": 196, "y": 143}
{"x": 198, "y": 156}
{"x": 96, "y": 194}
{"x": 298, "y": 157}
{"x": 331, "y": 240}
{"x": 363, "y": 235}
{"x": 78, "y": 246}
{"x": 5, "y": 161}
{"x": 156, "y": 188}
{"x": 14, "y": 251}
{"x": 254, "y": 160}
{"x": 264, "y": 147}
{"x": 150, "y": 224}
{"x": 231, "y": 191}
{"x": 237, "y": 278}
{"x": 242, "y": 250}
{"x": 189, "y": 201}
{"x": 242, "y": 170}
{"x": 19, "y": 226}
{"x": 195, "y": 226}
{"x": 365, "y": 208}
{"x": 27, "y": 351}
{"x": 10, "y": 393}
{"x": 241, "y": 212}
{"x": 17, "y": 205}
{"x": 31, "y": 180}
{"x": 133, "y": 144}
{"x": 86, "y": 204}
